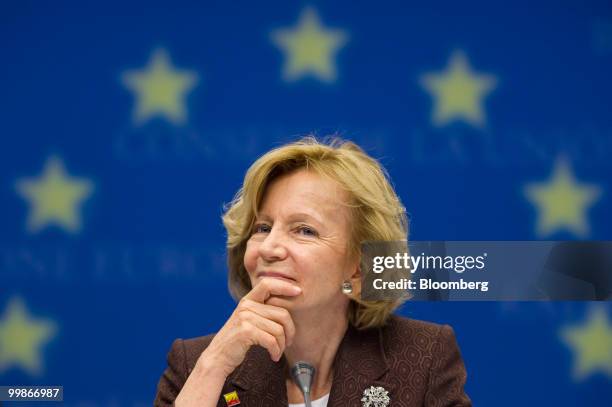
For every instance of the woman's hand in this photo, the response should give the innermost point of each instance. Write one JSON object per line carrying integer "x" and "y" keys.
{"x": 253, "y": 322}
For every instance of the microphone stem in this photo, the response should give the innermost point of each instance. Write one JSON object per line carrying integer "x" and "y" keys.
{"x": 307, "y": 399}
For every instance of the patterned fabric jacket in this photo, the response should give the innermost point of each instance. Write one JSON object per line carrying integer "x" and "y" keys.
{"x": 417, "y": 362}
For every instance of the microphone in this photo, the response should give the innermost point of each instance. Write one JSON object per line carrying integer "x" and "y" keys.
{"x": 302, "y": 373}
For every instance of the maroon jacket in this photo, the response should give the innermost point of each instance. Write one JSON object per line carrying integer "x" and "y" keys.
{"x": 417, "y": 362}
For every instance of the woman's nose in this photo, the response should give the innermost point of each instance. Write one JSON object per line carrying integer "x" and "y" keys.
{"x": 273, "y": 247}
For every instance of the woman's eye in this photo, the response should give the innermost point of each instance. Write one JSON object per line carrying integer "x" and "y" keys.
{"x": 307, "y": 231}
{"x": 261, "y": 228}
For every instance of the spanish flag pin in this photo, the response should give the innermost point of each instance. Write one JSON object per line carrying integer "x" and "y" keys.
{"x": 232, "y": 399}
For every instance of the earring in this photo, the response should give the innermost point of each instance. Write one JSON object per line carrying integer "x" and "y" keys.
{"x": 347, "y": 287}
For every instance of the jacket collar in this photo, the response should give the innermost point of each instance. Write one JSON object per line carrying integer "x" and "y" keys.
{"x": 359, "y": 363}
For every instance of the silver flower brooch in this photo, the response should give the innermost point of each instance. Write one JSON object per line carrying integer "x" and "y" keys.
{"x": 375, "y": 397}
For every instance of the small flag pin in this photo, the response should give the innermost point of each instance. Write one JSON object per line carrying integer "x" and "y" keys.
{"x": 231, "y": 399}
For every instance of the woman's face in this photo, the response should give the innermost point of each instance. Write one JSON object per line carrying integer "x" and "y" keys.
{"x": 301, "y": 236}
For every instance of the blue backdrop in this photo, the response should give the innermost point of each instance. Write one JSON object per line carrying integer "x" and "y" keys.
{"x": 126, "y": 127}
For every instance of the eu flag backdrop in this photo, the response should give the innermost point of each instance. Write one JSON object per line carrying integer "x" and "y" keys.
{"x": 126, "y": 126}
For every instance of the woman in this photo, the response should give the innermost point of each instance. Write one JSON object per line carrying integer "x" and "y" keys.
{"x": 294, "y": 235}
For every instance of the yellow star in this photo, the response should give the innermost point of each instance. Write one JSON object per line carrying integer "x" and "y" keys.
{"x": 562, "y": 202}
{"x": 22, "y": 338}
{"x": 160, "y": 89}
{"x": 54, "y": 197}
{"x": 458, "y": 92}
{"x": 591, "y": 344}
{"x": 309, "y": 48}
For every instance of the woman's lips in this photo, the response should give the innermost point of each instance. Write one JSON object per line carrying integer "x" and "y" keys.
{"x": 272, "y": 274}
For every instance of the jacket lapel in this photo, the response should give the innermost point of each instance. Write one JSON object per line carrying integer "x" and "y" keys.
{"x": 359, "y": 364}
{"x": 259, "y": 380}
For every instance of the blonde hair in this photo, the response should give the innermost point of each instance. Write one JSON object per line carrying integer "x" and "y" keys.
{"x": 376, "y": 210}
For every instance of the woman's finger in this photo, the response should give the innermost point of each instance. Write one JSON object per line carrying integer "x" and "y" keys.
{"x": 268, "y": 326}
{"x": 266, "y": 340}
{"x": 276, "y": 314}
{"x": 272, "y": 286}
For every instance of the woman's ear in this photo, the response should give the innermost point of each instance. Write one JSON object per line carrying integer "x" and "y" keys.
{"x": 356, "y": 281}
